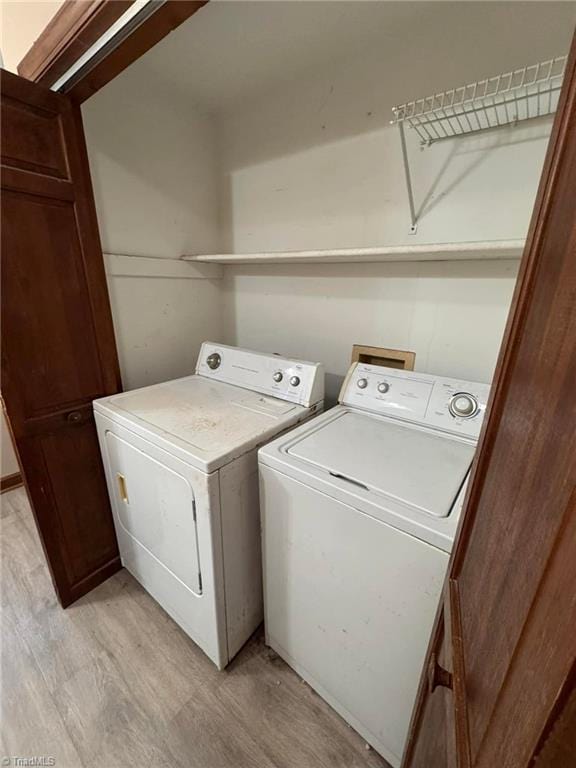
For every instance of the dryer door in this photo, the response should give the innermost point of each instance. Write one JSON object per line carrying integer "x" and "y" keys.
{"x": 156, "y": 512}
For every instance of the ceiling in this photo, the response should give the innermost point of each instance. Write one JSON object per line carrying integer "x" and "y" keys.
{"x": 232, "y": 52}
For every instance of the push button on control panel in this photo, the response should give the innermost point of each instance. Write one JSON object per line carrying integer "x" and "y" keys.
{"x": 463, "y": 405}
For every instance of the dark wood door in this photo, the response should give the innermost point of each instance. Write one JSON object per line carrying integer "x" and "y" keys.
{"x": 58, "y": 347}
{"x": 498, "y": 688}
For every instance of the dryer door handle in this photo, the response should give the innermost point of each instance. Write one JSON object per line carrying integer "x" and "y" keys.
{"x": 122, "y": 487}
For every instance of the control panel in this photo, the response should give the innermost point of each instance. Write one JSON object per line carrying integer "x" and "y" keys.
{"x": 451, "y": 404}
{"x": 294, "y": 380}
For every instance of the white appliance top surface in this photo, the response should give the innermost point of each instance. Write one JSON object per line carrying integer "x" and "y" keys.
{"x": 398, "y": 447}
{"x": 212, "y": 422}
{"x": 422, "y": 468}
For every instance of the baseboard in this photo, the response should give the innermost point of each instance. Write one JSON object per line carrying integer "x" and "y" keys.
{"x": 10, "y": 482}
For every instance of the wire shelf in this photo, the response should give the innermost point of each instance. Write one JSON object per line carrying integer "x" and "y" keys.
{"x": 505, "y": 99}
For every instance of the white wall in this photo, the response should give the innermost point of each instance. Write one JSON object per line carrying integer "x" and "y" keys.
{"x": 313, "y": 163}
{"x": 153, "y": 169}
{"x": 316, "y": 165}
{"x": 162, "y": 312}
{"x": 9, "y": 463}
{"x": 281, "y": 192}
{"x": 153, "y": 165}
{"x": 451, "y": 314}
{"x": 21, "y": 23}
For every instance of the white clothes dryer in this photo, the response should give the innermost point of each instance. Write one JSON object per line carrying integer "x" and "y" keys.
{"x": 181, "y": 467}
{"x": 359, "y": 511}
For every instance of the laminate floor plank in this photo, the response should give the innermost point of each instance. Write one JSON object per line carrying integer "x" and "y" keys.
{"x": 206, "y": 734}
{"x": 31, "y": 724}
{"x": 59, "y": 640}
{"x": 264, "y": 694}
{"x": 107, "y": 723}
{"x": 113, "y": 682}
{"x": 157, "y": 661}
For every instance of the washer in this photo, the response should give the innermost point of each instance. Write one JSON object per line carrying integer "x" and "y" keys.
{"x": 182, "y": 473}
{"x": 359, "y": 512}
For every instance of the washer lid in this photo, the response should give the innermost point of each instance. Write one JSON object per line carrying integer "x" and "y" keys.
{"x": 412, "y": 465}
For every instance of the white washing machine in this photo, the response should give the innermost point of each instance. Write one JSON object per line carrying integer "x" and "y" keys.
{"x": 182, "y": 473}
{"x": 359, "y": 510}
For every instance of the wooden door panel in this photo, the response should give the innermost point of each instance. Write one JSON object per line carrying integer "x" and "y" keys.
{"x": 559, "y": 744}
{"x": 537, "y": 417}
{"x": 511, "y": 581}
{"x": 32, "y": 140}
{"x": 431, "y": 750}
{"x": 520, "y": 514}
{"x": 434, "y": 747}
{"x": 455, "y": 747}
{"x": 73, "y": 498}
{"x": 72, "y": 461}
{"x": 542, "y": 666}
{"x": 457, "y": 717}
{"x": 58, "y": 347}
{"x": 49, "y": 305}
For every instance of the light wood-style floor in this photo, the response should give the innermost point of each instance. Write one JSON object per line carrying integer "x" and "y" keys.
{"x": 112, "y": 681}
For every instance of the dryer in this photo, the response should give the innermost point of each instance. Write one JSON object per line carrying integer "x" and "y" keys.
{"x": 181, "y": 467}
{"x": 359, "y": 511}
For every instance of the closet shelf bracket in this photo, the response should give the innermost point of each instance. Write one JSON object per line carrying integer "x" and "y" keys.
{"x": 408, "y": 177}
{"x": 504, "y": 100}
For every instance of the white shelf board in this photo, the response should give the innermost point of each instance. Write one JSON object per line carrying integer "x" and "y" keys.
{"x": 489, "y": 249}
{"x": 123, "y": 265}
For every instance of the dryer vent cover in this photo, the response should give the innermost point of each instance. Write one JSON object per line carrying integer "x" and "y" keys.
{"x": 390, "y": 358}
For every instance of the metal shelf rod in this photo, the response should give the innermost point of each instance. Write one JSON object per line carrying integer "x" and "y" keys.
{"x": 413, "y": 217}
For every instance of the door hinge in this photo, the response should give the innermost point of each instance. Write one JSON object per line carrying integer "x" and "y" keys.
{"x": 199, "y": 582}
{"x": 194, "y": 510}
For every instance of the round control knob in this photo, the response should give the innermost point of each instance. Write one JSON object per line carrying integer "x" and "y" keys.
{"x": 278, "y": 376}
{"x": 383, "y": 387}
{"x": 463, "y": 405}
{"x": 362, "y": 383}
{"x": 294, "y": 381}
{"x": 213, "y": 361}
